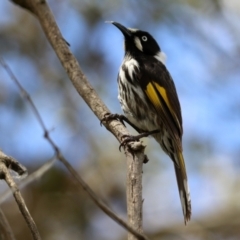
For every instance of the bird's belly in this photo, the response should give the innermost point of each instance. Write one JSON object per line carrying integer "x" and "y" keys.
{"x": 136, "y": 110}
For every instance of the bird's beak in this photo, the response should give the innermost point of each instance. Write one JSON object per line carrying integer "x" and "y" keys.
{"x": 126, "y": 32}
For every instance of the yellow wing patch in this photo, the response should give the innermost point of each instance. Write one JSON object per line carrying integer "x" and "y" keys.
{"x": 153, "y": 96}
{"x": 153, "y": 90}
{"x": 162, "y": 91}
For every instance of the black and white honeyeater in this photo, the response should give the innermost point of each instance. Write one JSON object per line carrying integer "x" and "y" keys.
{"x": 149, "y": 100}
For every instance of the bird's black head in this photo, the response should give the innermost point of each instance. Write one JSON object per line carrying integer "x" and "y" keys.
{"x": 137, "y": 40}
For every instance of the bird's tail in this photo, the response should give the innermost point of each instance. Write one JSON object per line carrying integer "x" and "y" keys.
{"x": 183, "y": 189}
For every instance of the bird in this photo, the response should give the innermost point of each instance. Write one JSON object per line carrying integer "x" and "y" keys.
{"x": 149, "y": 101}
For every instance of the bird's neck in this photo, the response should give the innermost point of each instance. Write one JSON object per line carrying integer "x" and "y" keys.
{"x": 137, "y": 55}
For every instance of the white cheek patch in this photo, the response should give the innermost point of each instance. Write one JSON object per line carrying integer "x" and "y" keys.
{"x": 138, "y": 43}
{"x": 161, "y": 56}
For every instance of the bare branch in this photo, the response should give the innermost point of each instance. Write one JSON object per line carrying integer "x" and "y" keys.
{"x": 30, "y": 178}
{"x": 12, "y": 164}
{"x": 134, "y": 188}
{"x": 7, "y": 163}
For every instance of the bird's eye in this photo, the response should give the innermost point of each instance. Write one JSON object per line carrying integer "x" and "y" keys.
{"x": 144, "y": 38}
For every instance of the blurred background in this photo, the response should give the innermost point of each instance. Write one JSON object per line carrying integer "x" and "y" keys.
{"x": 202, "y": 42}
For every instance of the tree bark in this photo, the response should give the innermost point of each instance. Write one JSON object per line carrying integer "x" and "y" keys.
{"x": 134, "y": 191}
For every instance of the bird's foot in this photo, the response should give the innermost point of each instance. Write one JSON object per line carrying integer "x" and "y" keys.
{"x": 109, "y": 117}
{"x": 130, "y": 138}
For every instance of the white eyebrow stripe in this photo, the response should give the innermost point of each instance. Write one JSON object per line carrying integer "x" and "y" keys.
{"x": 133, "y": 29}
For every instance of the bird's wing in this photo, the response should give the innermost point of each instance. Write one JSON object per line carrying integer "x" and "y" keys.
{"x": 160, "y": 90}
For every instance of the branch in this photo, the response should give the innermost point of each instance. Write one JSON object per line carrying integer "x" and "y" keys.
{"x": 7, "y": 163}
{"x": 30, "y": 178}
{"x": 134, "y": 189}
{"x": 134, "y": 157}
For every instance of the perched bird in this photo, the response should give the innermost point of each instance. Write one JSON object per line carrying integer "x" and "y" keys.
{"x": 149, "y": 100}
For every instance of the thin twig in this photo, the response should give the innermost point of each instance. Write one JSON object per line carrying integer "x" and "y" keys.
{"x": 30, "y": 178}
{"x": 7, "y": 163}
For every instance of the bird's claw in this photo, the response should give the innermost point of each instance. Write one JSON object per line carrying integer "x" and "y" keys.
{"x": 128, "y": 138}
{"x": 105, "y": 118}
{"x": 109, "y": 116}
